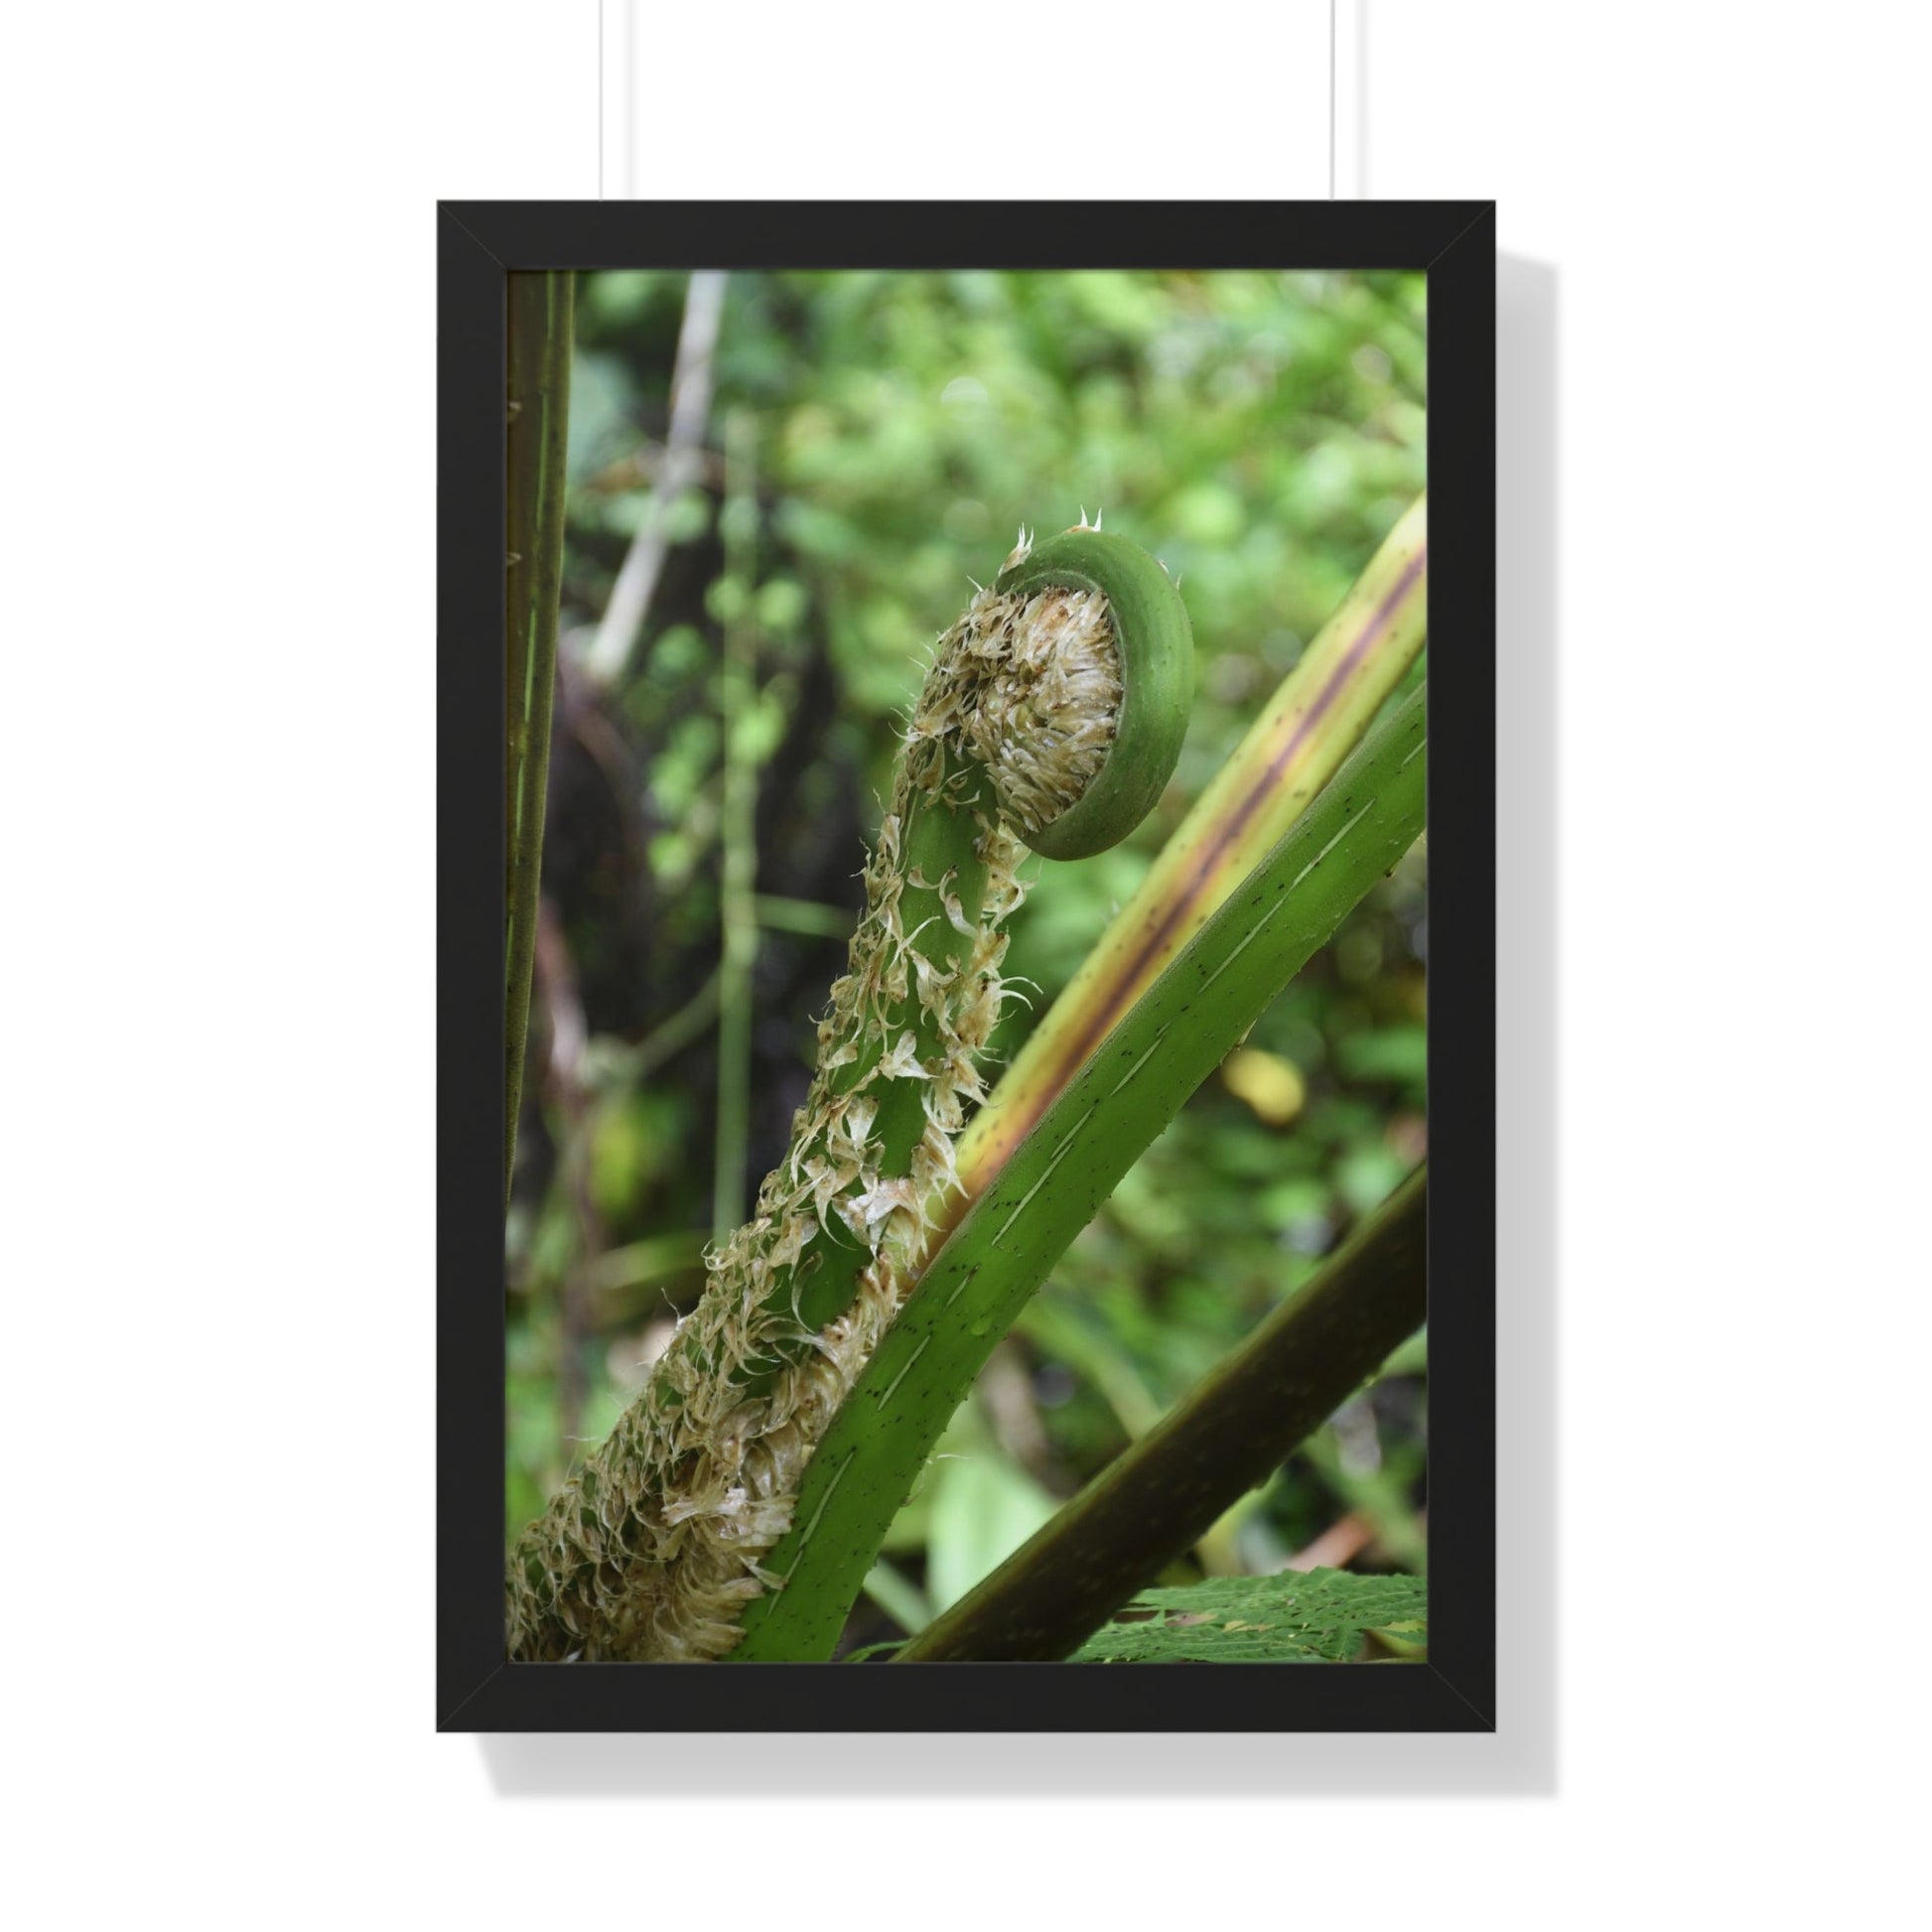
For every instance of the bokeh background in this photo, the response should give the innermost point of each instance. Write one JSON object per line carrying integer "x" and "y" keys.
{"x": 816, "y": 465}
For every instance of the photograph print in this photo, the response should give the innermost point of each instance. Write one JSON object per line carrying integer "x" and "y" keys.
{"x": 966, "y": 970}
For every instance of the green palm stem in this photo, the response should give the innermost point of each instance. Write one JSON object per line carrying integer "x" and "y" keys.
{"x": 539, "y": 315}
{"x": 1226, "y": 1437}
{"x": 1081, "y": 1145}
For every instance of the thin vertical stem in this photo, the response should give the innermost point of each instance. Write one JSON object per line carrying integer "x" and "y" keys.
{"x": 617, "y": 632}
{"x": 540, "y": 312}
{"x": 737, "y": 886}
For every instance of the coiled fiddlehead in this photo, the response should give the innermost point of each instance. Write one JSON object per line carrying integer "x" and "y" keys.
{"x": 1051, "y": 718}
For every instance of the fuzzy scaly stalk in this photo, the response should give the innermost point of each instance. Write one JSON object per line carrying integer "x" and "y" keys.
{"x": 1057, "y": 700}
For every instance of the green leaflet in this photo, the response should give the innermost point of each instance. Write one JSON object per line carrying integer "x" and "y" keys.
{"x": 1056, "y": 1180}
{"x": 1296, "y": 1618}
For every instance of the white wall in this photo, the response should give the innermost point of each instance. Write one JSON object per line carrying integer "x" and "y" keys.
{"x": 1715, "y": 434}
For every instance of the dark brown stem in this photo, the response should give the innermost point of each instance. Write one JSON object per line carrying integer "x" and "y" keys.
{"x": 1226, "y": 1438}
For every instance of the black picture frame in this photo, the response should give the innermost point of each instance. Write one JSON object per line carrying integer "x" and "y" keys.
{"x": 479, "y": 244}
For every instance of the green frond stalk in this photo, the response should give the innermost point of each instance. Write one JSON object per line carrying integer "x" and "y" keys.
{"x": 541, "y": 321}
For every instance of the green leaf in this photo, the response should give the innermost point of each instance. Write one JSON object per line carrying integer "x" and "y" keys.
{"x": 1313, "y": 1617}
{"x": 900, "y": 1597}
{"x": 983, "y": 1507}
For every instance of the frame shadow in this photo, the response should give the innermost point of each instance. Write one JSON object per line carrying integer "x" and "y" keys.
{"x": 1521, "y": 1756}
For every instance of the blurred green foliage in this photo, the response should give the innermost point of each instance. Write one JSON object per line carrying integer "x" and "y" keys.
{"x": 1261, "y": 433}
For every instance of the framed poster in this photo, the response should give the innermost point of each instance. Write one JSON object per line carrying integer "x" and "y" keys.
{"x": 966, "y": 940}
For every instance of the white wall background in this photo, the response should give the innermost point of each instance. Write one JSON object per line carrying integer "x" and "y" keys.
{"x": 217, "y": 1428}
